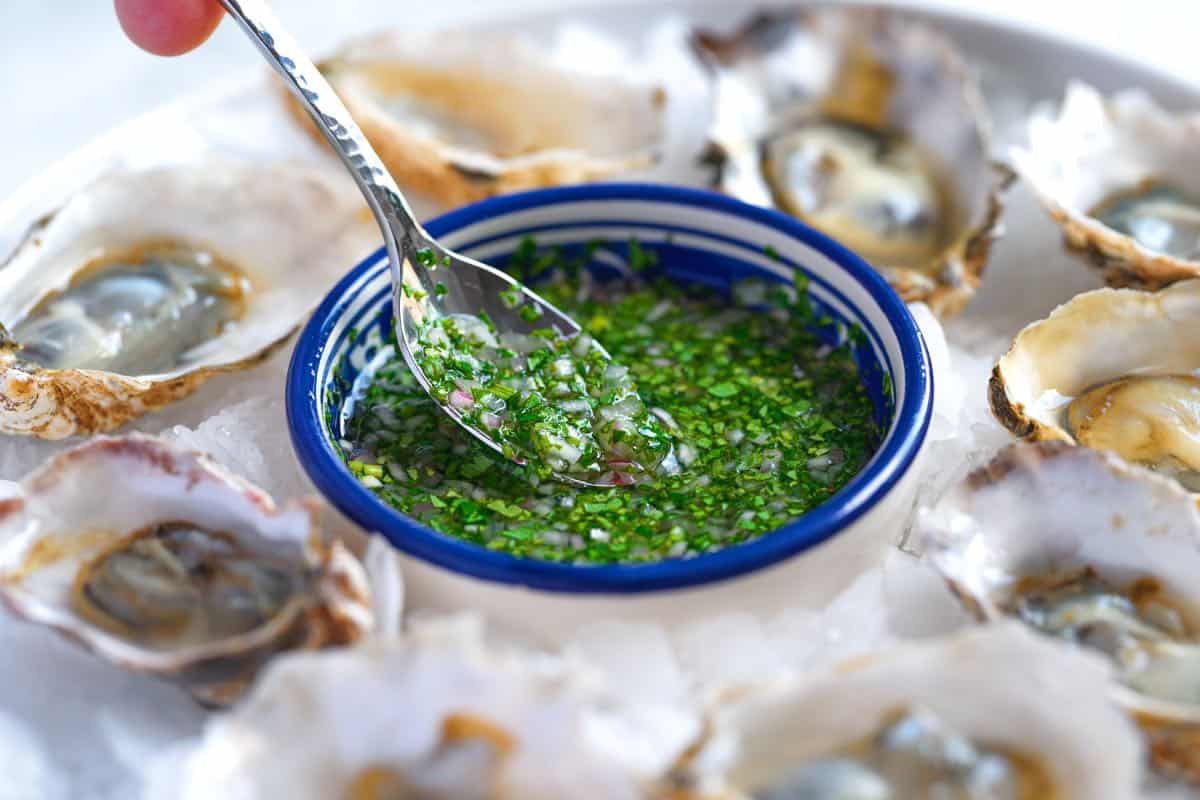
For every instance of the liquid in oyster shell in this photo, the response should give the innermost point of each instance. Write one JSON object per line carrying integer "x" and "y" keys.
{"x": 1156, "y": 215}
{"x": 176, "y": 585}
{"x": 874, "y": 190}
{"x": 1145, "y": 634}
{"x": 914, "y": 755}
{"x": 141, "y": 312}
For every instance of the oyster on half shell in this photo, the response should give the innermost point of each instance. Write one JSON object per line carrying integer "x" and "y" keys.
{"x": 156, "y": 559}
{"x": 1112, "y": 369}
{"x": 460, "y": 117}
{"x": 146, "y": 283}
{"x": 437, "y": 715}
{"x": 979, "y": 715}
{"x": 868, "y": 127}
{"x": 1121, "y": 177}
{"x": 1086, "y": 548}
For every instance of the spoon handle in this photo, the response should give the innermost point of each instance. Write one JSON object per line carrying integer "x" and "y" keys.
{"x": 318, "y": 98}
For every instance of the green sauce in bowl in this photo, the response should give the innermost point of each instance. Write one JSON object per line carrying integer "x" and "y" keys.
{"x": 766, "y": 421}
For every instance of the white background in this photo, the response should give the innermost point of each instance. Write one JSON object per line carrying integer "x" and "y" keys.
{"x": 68, "y": 74}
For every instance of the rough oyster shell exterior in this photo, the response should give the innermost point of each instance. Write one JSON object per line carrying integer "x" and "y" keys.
{"x": 440, "y": 709}
{"x": 1095, "y": 146}
{"x": 292, "y": 230}
{"x": 784, "y": 66}
{"x": 459, "y": 118}
{"x": 1002, "y": 686}
{"x": 90, "y": 498}
{"x": 1094, "y": 338}
{"x": 1052, "y": 508}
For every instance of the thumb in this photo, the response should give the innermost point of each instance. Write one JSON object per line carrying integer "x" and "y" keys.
{"x": 168, "y": 27}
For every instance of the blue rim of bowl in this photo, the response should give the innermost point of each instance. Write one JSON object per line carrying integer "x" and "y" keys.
{"x": 328, "y": 472}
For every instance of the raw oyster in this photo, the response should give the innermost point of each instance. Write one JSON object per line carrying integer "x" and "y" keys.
{"x": 1084, "y": 547}
{"x": 158, "y": 560}
{"x": 147, "y": 283}
{"x": 868, "y": 127}
{"x": 437, "y": 714}
{"x": 1121, "y": 177}
{"x": 975, "y": 716}
{"x": 1113, "y": 369}
{"x": 460, "y": 117}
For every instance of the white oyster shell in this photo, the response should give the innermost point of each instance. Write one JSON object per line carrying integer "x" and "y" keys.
{"x": 1000, "y": 686}
{"x": 292, "y": 231}
{"x": 1051, "y": 509}
{"x": 1095, "y": 338}
{"x": 460, "y": 117}
{"x": 875, "y": 68}
{"x": 438, "y": 709}
{"x": 89, "y": 499}
{"x": 1093, "y": 146}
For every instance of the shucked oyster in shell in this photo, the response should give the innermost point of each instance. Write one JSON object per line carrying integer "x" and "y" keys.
{"x": 987, "y": 714}
{"x": 158, "y": 560}
{"x": 146, "y": 283}
{"x": 1112, "y": 369}
{"x": 868, "y": 127}
{"x": 460, "y": 117}
{"x": 436, "y": 715}
{"x": 1086, "y": 548}
{"x": 1121, "y": 177}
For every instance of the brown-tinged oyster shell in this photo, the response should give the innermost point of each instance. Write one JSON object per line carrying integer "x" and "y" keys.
{"x": 158, "y": 560}
{"x": 1121, "y": 177}
{"x": 1087, "y": 548}
{"x": 1114, "y": 369}
{"x": 974, "y": 715}
{"x": 146, "y": 283}
{"x": 869, "y": 127}
{"x": 460, "y": 117}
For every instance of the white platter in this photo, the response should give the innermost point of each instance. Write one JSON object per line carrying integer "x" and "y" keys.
{"x": 71, "y": 727}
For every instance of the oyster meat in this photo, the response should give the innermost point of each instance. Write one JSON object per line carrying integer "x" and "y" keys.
{"x": 1112, "y": 369}
{"x": 972, "y": 716}
{"x": 459, "y": 117}
{"x": 868, "y": 127}
{"x": 1119, "y": 175}
{"x": 160, "y": 561}
{"x": 439, "y": 714}
{"x": 1083, "y": 547}
{"x": 147, "y": 283}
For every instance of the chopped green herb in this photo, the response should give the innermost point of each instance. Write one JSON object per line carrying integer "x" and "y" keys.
{"x": 641, "y": 259}
{"x": 765, "y": 422}
{"x": 512, "y": 296}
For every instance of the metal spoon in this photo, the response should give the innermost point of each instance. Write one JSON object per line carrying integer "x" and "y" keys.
{"x": 471, "y": 286}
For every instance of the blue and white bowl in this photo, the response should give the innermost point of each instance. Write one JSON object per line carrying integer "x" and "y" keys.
{"x": 700, "y": 237}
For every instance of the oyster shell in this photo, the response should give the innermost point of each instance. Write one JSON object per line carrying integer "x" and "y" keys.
{"x": 438, "y": 714}
{"x": 158, "y": 560}
{"x": 868, "y": 127}
{"x": 146, "y": 283}
{"x": 1113, "y": 369}
{"x": 976, "y": 715}
{"x": 1121, "y": 177}
{"x": 1084, "y": 547}
{"x": 459, "y": 117}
